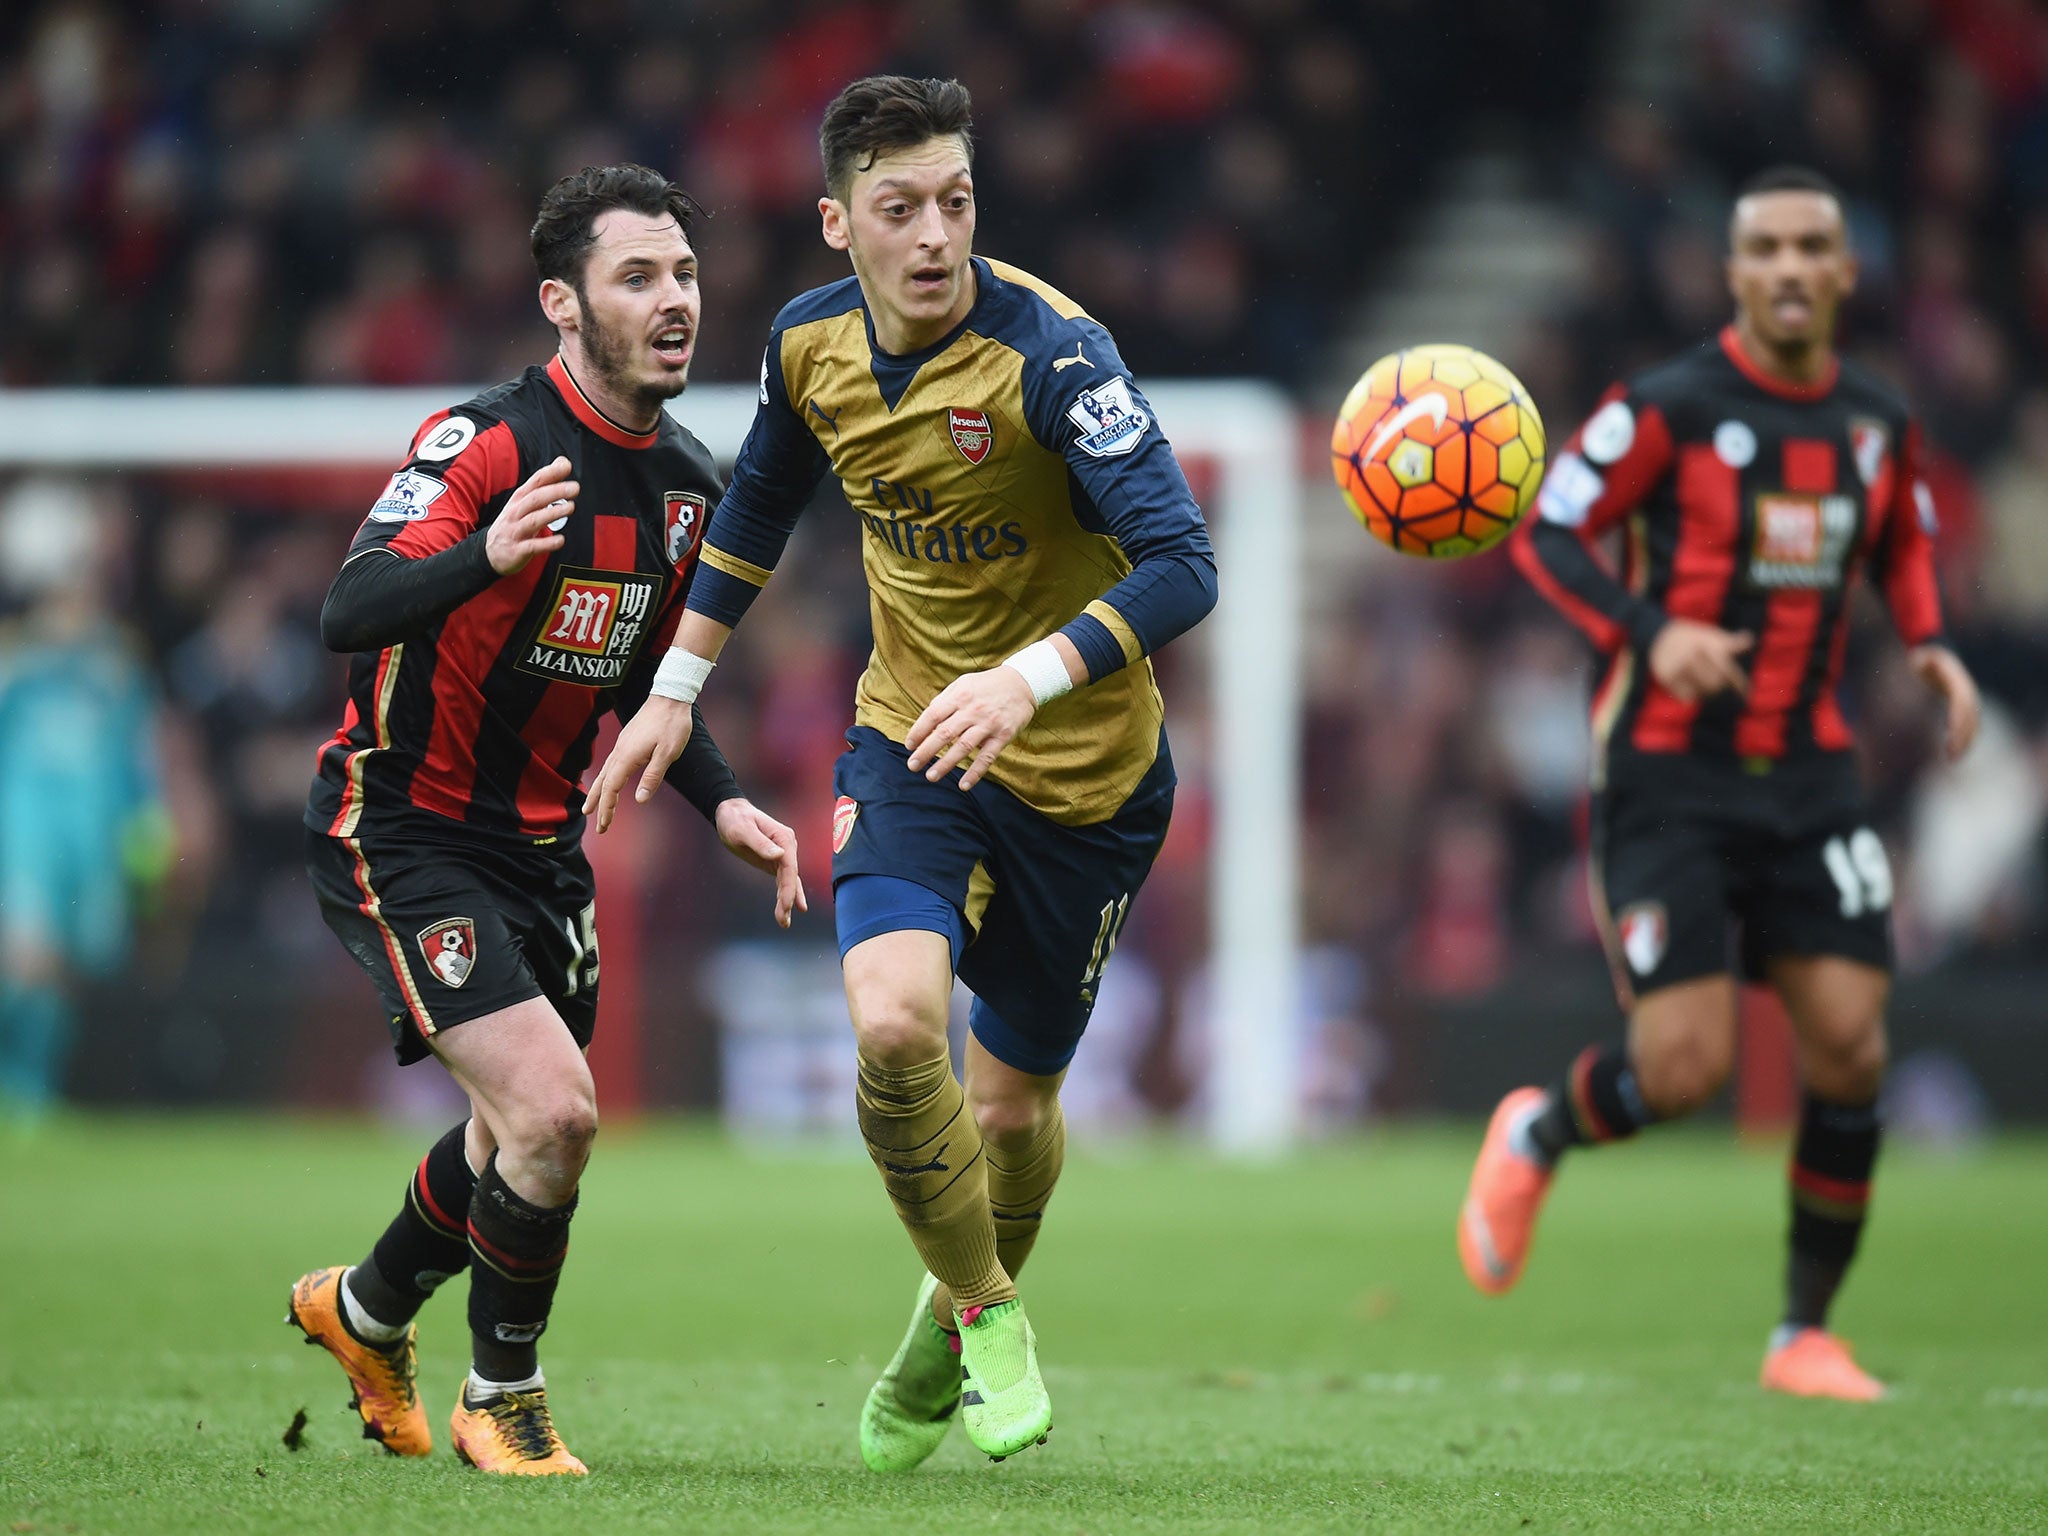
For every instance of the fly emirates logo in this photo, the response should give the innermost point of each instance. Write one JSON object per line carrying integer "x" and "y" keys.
{"x": 591, "y": 629}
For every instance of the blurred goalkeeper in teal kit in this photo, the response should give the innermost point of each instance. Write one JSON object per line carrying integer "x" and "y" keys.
{"x": 80, "y": 822}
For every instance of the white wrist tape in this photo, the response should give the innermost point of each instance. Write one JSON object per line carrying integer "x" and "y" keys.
{"x": 1044, "y": 669}
{"x": 681, "y": 676}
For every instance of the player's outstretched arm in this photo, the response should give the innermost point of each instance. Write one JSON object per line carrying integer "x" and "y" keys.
{"x": 1943, "y": 671}
{"x": 758, "y": 839}
{"x": 976, "y": 716}
{"x": 656, "y": 735}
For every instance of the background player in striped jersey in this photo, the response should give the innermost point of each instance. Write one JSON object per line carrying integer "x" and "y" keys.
{"x": 1028, "y": 539}
{"x": 519, "y": 577}
{"x": 1754, "y": 482}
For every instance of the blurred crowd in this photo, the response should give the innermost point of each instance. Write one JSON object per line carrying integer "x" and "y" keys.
{"x": 302, "y": 191}
{"x": 297, "y": 191}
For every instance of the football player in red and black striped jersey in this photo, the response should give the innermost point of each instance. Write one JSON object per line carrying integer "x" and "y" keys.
{"x": 1753, "y": 484}
{"x": 520, "y": 576}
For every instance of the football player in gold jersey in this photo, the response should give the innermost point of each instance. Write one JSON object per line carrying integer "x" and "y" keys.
{"x": 1028, "y": 539}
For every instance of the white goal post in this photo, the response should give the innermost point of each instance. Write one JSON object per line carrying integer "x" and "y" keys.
{"x": 1246, "y": 429}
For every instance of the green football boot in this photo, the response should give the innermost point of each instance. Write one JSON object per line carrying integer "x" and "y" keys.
{"x": 1004, "y": 1406}
{"x": 911, "y": 1407}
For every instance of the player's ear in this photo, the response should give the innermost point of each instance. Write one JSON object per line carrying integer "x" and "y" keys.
{"x": 832, "y": 217}
{"x": 558, "y": 303}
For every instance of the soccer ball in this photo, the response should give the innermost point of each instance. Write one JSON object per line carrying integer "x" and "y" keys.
{"x": 1438, "y": 450}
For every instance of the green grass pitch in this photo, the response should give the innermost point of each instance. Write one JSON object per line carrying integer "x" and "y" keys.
{"x": 1282, "y": 1348}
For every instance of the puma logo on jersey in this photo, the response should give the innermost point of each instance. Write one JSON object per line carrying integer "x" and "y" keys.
{"x": 1062, "y": 364}
{"x": 831, "y": 421}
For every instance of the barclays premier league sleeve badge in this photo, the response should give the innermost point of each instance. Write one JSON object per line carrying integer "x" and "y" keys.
{"x": 1109, "y": 420}
{"x": 407, "y": 497}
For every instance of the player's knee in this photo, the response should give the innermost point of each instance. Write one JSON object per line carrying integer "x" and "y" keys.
{"x": 1849, "y": 1069}
{"x": 1011, "y": 1120}
{"x": 1679, "y": 1076}
{"x": 557, "y": 1132}
{"x": 899, "y": 1030}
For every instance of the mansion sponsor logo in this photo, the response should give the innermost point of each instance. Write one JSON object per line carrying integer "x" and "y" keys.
{"x": 1801, "y": 541}
{"x": 591, "y": 630}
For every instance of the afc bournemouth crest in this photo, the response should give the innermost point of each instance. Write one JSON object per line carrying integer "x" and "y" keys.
{"x": 844, "y": 811}
{"x": 1645, "y": 935}
{"x": 683, "y": 521}
{"x": 1869, "y": 439}
{"x": 972, "y": 434}
{"x": 450, "y": 948}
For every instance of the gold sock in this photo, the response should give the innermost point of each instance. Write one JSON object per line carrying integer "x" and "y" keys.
{"x": 928, "y": 1150}
{"x": 1017, "y": 1193}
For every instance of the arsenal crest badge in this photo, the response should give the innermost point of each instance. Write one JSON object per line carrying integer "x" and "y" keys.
{"x": 683, "y": 522}
{"x": 844, "y": 812}
{"x": 1645, "y": 935}
{"x": 450, "y": 948}
{"x": 972, "y": 434}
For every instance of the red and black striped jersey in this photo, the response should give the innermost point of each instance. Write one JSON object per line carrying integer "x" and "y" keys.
{"x": 1747, "y": 502}
{"x": 485, "y": 712}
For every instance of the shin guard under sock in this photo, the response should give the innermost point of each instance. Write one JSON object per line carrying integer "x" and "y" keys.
{"x": 518, "y": 1249}
{"x": 427, "y": 1243}
{"x": 1596, "y": 1100}
{"x": 926, "y": 1146}
{"x": 1831, "y": 1166}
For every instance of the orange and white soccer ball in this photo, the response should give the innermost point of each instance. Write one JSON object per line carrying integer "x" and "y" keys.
{"x": 1439, "y": 451}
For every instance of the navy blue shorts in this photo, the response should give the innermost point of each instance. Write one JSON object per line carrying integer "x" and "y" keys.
{"x": 1038, "y": 906}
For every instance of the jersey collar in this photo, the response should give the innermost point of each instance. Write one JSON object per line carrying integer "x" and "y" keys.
{"x": 581, "y": 408}
{"x": 1770, "y": 383}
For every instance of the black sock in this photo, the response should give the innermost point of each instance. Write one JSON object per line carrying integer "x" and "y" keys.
{"x": 518, "y": 1248}
{"x": 427, "y": 1243}
{"x": 1831, "y": 1165}
{"x": 1596, "y": 1100}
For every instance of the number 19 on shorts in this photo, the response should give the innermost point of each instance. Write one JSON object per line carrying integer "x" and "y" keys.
{"x": 1860, "y": 870}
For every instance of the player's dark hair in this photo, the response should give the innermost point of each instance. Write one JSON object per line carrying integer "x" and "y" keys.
{"x": 1788, "y": 178}
{"x": 889, "y": 112}
{"x": 1791, "y": 178}
{"x": 567, "y": 226}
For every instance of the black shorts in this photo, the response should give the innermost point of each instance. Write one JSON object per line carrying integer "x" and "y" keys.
{"x": 1685, "y": 849}
{"x": 450, "y": 930}
{"x": 1044, "y": 903}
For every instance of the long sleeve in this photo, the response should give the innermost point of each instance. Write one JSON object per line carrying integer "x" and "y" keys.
{"x": 1610, "y": 465}
{"x": 419, "y": 555}
{"x": 381, "y": 598}
{"x": 779, "y": 466}
{"x": 1130, "y": 487}
{"x": 1905, "y": 555}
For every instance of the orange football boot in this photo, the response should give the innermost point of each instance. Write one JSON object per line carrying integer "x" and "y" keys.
{"x": 1507, "y": 1190}
{"x": 383, "y": 1381}
{"x": 1814, "y": 1363}
{"x": 514, "y": 1436}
